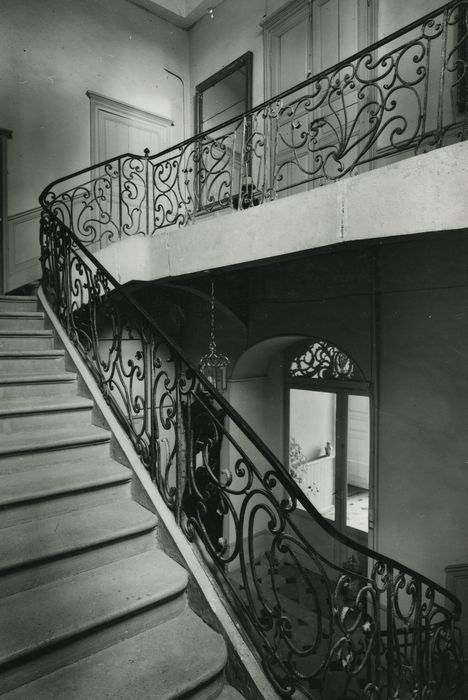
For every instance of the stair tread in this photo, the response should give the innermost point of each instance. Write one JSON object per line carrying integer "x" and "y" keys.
{"x": 57, "y": 535}
{"x": 41, "y": 482}
{"x": 35, "y": 333}
{"x": 41, "y": 404}
{"x": 31, "y": 353}
{"x": 38, "y": 377}
{"x": 21, "y": 314}
{"x": 188, "y": 654}
{"x": 53, "y": 613}
{"x": 37, "y": 438}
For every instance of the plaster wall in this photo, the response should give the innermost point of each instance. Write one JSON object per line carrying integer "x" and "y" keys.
{"x": 423, "y": 449}
{"x": 312, "y": 421}
{"x": 52, "y": 55}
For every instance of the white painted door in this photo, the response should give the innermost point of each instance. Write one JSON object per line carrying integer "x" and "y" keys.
{"x": 302, "y": 40}
{"x": 127, "y": 198}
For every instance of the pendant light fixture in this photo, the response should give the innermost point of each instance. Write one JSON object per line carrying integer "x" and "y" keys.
{"x": 214, "y": 364}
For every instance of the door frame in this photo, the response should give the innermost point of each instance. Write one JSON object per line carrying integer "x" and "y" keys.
{"x": 358, "y": 387}
{"x": 287, "y": 17}
{"x": 101, "y": 105}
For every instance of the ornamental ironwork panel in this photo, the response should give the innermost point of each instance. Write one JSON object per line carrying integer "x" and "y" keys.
{"x": 374, "y": 630}
{"x": 402, "y": 96}
{"x": 322, "y": 360}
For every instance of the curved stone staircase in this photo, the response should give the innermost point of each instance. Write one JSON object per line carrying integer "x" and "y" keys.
{"x": 89, "y": 606}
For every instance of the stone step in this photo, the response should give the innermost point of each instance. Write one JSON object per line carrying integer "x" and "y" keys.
{"x": 59, "y": 458}
{"x": 230, "y": 693}
{"x": 17, "y": 303}
{"x": 21, "y": 320}
{"x": 190, "y": 660}
{"x": 44, "y": 550}
{"x": 39, "y": 440}
{"x": 16, "y": 386}
{"x": 26, "y": 340}
{"x": 47, "y": 627}
{"x": 52, "y": 412}
{"x": 45, "y": 491}
{"x": 28, "y": 362}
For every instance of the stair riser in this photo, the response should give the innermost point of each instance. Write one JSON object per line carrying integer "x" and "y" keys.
{"x": 68, "y": 652}
{"x": 52, "y": 570}
{"x": 17, "y": 305}
{"x": 26, "y": 342}
{"x": 55, "y": 419}
{"x": 30, "y": 460}
{"x": 37, "y": 389}
{"x": 21, "y": 323}
{"x": 64, "y": 503}
{"x": 31, "y": 365}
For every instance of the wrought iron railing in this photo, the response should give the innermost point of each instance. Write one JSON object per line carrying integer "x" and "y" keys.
{"x": 404, "y": 95}
{"x": 367, "y": 628}
{"x": 375, "y": 630}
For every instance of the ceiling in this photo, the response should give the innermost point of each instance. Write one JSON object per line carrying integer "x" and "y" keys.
{"x": 182, "y": 13}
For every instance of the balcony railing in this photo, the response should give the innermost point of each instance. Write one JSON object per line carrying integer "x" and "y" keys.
{"x": 404, "y": 95}
{"x": 372, "y": 628}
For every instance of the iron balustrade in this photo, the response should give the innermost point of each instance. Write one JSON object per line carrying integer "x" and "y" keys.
{"x": 378, "y": 630}
{"x": 404, "y": 95}
{"x": 370, "y": 629}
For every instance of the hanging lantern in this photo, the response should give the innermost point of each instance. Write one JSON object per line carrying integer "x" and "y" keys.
{"x": 214, "y": 364}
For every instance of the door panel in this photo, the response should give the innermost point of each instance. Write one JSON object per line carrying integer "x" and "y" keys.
{"x": 329, "y": 458}
{"x": 358, "y": 463}
{"x": 319, "y": 121}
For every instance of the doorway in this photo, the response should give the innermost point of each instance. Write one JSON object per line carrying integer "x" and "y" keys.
{"x": 319, "y": 133}
{"x": 329, "y": 436}
{"x": 329, "y": 455}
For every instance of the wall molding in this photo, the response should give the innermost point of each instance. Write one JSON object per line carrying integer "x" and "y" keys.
{"x": 100, "y": 105}
{"x": 22, "y": 249}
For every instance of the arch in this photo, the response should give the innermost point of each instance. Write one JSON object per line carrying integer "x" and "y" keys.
{"x": 319, "y": 359}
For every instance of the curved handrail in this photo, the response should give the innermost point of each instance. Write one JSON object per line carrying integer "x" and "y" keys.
{"x": 389, "y": 577}
{"x": 266, "y": 103}
{"x": 180, "y": 425}
{"x": 235, "y": 416}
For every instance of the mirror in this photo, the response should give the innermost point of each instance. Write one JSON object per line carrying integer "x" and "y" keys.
{"x": 224, "y": 95}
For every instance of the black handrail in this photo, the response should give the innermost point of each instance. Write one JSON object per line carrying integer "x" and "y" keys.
{"x": 168, "y": 406}
{"x": 235, "y": 416}
{"x": 286, "y": 93}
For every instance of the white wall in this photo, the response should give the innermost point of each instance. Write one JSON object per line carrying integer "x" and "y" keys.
{"x": 235, "y": 29}
{"x": 312, "y": 421}
{"x": 51, "y": 53}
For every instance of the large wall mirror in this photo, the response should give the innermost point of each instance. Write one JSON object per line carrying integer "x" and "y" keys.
{"x": 225, "y": 95}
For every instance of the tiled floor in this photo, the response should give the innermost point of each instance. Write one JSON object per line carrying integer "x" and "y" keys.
{"x": 357, "y": 509}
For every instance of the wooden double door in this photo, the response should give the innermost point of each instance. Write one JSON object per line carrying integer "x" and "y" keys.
{"x": 300, "y": 41}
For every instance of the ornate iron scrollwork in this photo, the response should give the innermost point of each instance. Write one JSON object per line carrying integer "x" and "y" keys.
{"x": 377, "y": 631}
{"x": 322, "y": 360}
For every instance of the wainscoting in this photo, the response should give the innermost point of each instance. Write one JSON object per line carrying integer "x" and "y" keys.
{"x": 22, "y": 249}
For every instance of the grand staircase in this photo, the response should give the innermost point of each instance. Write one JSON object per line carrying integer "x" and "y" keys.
{"x": 90, "y": 607}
